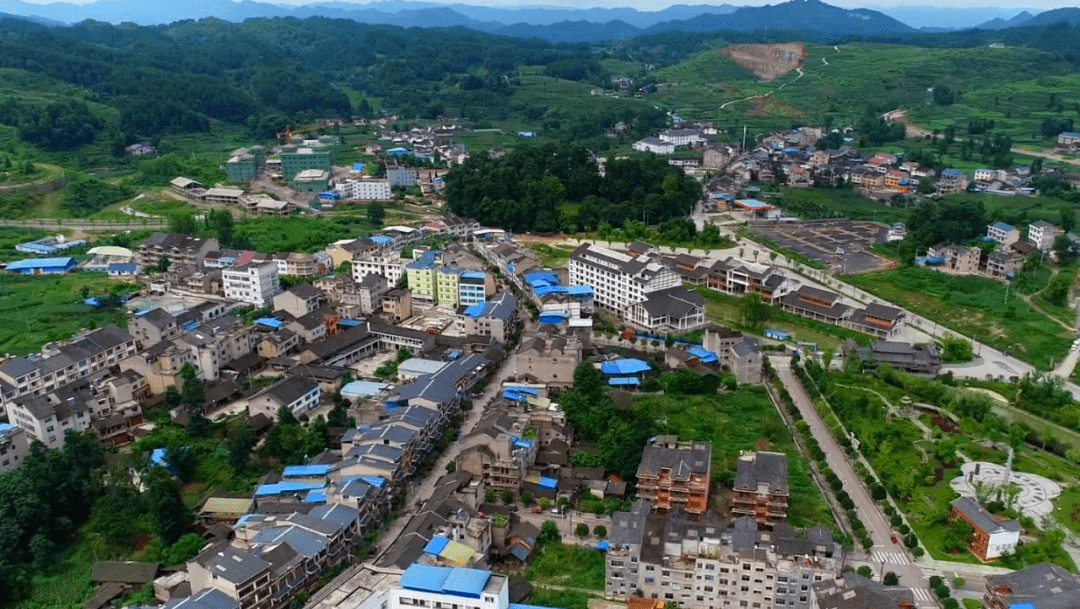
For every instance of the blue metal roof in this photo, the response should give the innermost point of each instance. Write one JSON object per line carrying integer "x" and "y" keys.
{"x": 315, "y": 497}
{"x": 521, "y": 443}
{"x": 1002, "y": 226}
{"x": 544, "y": 290}
{"x": 547, "y": 483}
{"x": 279, "y": 488}
{"x": 466, "y": 582}
{"x": 953, "y": 173}
{"x": 603, "y": 546}
{"x": 621, "y": 381}
{"x": 510, "y": 394}
{"x": 381, "y": 239}
{"x": 552, "y": 317}
{"x": 706, "y": 356}
{"x": 777, "y": 334}
{"x": 424, "y": 578}
{"x": 305, "y": 471}
{"x": 375, "y": 481}
{"x": 473, "y": 275}
{"x": 475, "y": 310}
{"x": 1022, "y": 606}
{"x": 5, "y": 427}
{"x": 625, "y": 366}
{"x": 41, "y": 263}
{"x": 397, "y": 151}
{"x": 529, "y": 390}
{"x": 123, "y": 267}
{"x": 436, "y": 544}
{"x": 580, "y": 290}
{"x": 269, "y": 322}
{"x": 358, "y": 166}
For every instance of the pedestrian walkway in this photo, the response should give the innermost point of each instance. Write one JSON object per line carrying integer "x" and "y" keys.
{"x": 922, "y": 595}
{"x": 890, "y": 558}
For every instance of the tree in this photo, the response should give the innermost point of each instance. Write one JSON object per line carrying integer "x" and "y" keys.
{"x": 959, "y": 536}
{"x": 600, "y": 531}
{"x": 864, "y": 571}
{"x": 581, "y": 530}
{"x": 506, "y": 496}
{"x": 549, "y": 533}
{"x": 162, "y": 265}
{"x": 526, "y": 498}
{"x": 755, "y": 311}
{"x": 172, "y": 519}
{"x": 891, "y": 579}
{"x": 376, "y": 214}
{"x": 238, "y": 447}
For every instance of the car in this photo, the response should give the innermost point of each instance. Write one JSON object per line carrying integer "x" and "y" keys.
{"x": 1074, "y": 347}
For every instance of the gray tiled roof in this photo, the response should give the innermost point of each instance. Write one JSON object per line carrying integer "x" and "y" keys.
{"x": 770, "y": 468}
{"x": 681, "y": 462}
{"x": 234, "y": 565}
{"x": 982, "y": 519}
{"x": 1045, "y": 585}
{"x": 291, "y": 389}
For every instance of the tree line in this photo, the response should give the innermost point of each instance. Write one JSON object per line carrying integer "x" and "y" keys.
{"x": 549, "y": 188}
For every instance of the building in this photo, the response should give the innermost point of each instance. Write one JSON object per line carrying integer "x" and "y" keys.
{"x": 549, "y": 359}
{"x": 701, "y": 564}
{"x": 1041, "y": 234}
{"x": 255, "y": 283}
{"x": 816, "y": 304}
{"x": 654, "y": 145}
{"x": 1043, "y": 586}
{"x": 496, "y": 453}
{"x": 741, "y": 354}
{"x": 41, "y": 266}
{"x": 244, "y": 164}
{"x": 619, "y": 280}
{"x": 207, "y": 598}
{"x": 365, "y": 190}
{"x": 682, "y": 137}
{"x": 52, "y": 244}
{"x": 993, "y": 536}
{"x": 223, "y": 196}
{"x": 1068, "y": 139}
{"x": 761, "y": 489}
{"x": 1005, "y": 234}
{"x": 494, "y": 318}
{"x": 298, "y": 158}
{"x": 58, "y": 365}
{"x": 400, "y": 176}
{"x": 396, "y": 305}
{"x": 435, "y": 586}
{"x": 473, "y": 287}
{"x": 923, "y": 360}
{"x": 853, "y": 591}
{"x": 959, "y": 259}
{"x": 303, "y": 264}
{"x": 675, "y": 475}
{"x": 983, "y": 177}
{"x": 14, "y": 446}
{"x": 237, "y": 574}
{"x": 1000, "y": 265}
{"x": 299, "y": 394}
{"x": 299, "y": 300}
{"x": 380, "y": 262}
{"x": 739, "y": 277}
{"x": 951, "y": 181}
{"x": 180, "y": 250}
{"x": 670, "y": 311}
{"x": 876, "y": 319}
{"x": 422, "y": 277}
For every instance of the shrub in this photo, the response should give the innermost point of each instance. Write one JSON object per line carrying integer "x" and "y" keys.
{"x": 581, "y": 530}
{"x": 864, "y": 571}
{"x": 526, "y": 498}
{"x": 917, "y": 551}
{"x": 891, "y": 579}
{"x": 600, "y": 530}
{"x": 507, "y": 496}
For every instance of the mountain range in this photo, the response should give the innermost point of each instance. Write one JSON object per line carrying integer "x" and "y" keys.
{"x": 550, "y": 23}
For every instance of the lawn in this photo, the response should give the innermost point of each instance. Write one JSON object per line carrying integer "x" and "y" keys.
{"x": 745, "y": 420}
{"x": 300, "y": 233}
{"x": 38, "y": 309}
{"x": 10, "y": 236}
{"x": 551, "y": 257}
{"x": 568, "y": 565}
{"x": 973, "y": 306}
{"x": 823, "y": 203}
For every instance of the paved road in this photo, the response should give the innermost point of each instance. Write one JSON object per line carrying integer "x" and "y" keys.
{"x": 75, "y": 224}
{"x": 420, "y": 491}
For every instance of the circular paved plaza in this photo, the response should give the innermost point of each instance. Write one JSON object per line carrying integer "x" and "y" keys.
{"x": 1035, "y": 495}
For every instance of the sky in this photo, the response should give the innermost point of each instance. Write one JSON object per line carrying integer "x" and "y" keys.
{"x": 1032, "y": 6}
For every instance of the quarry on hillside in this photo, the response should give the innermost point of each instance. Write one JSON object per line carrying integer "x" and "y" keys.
{"x": 767, "y": 61}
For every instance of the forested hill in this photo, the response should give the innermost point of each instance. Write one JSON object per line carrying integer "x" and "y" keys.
{"x": 265, "y": 72}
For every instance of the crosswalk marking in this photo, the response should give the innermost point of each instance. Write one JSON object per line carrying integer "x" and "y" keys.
{"x": 893, "y": 558}
{"x": 922, "y": 594}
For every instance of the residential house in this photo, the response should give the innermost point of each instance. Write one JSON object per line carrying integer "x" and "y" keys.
{"x": 738, "y": 277}
{"x": 237, "y": 574}
{"x": 674, "y": 310}
{"x": 876, "y": 319}
{"x": 299, "y": 300}
{"x": 1068, "y": 139}
{"x": 494, "y": 318}
{"x": 618, "y": 280}
{"x": 549, "y": 359}
{"x": 1005, "y": 234}
{"x": 761, "y": 488}
{"x": 1041, "y": 234}
{"x": 816, "y": 304}
{"x": 345, "y": 250}
{"x": 951, "y": 181}
{"x": 1042, "y": 586}
{"x": 959, "y": 259}
{"x": 923, "y": 360}
{"x": 496, "y": 452}
{"x": 253, "y": 283}
{"x": 387, "y": 263}
{"x": 1000, "y": 265}
{"x": 739, "y": 353}
{"x": 14, "y": 446}
{"x": 993, "y": 536}
{"x": 675, "y": 475}
{"x": 180, "y": 250}
{"x": 299, "y": 394}
{"x": 654, "y": 145}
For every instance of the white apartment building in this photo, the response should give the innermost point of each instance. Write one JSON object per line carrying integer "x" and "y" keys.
{"x": 433, "y": 587}
{"x": 299, "y": 394}
{"x": 1041, "y": 234}
{"x": 253, "y": 283}
{"x": 618, "y": 280}
{"x": 14, "y": 446}
{"x": 57, "y": 366}
{"x": 682, "y": 137}
{"x": 400, "y": 175}
{"x": 388, "y": 264}
{"x": 368, "y": 190}
{"x": 654, "y": 145}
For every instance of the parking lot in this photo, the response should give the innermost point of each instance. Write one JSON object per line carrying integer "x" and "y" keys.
{"x": 841, "y": 244}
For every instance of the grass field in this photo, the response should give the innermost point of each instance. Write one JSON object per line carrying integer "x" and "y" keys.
{"x": 11, "y": 236}
{"x": 35, "y": 310}
{"x": 568, "y": 565}
{"x": 973, "y": 306}
{"x": 741, "y": 421}
{"x": 821, "y": 203}
{"x": 551, "y": 256}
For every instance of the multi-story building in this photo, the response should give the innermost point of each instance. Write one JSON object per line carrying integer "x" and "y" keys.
{"x": 14, "y": 446}
{"x": 700, "y": 564}
{"x": 255, "y": 283}
{"x": 239, "y": 575}
{"x": 737, "y": 352}
{"x": 1068, "y": 139}
{"x": 682, "y": 137}
{"x": 654, "y": 145}
{"x": 817, "y": 304}
{"x": 549, "y": 359}
{"x": 396, "y": 305}
{"x": 993, "y": 536}
{"x": 1005, "y": 234}
{"x": 472, "y": 288}
{"x": 957, "y": 258}
{"x": 303, "y": 264}
{"x": 877, "y": 319}
{"x": 619, "y": 280}
{"x": 180, "y": 250}
{"x": 739, "y": 277}
{"x": 400, "y": 176}
{"x": 1041, "y": 586}
{"x": 299, "y": 300}
{"x": 447, "y": 286}
{"x": 212, "y": 345}
{"x": 670, "y": 311}
{"x": 386, "y": 263}
{"x": 496, "y": 452}
{"x": 951, "y": 181}
{"x": 299, "y": 394}
{"x": 761, "y": 489}
{"x": 58, "y": 365}
{"x": 352, "y": 298}
{"x": 675, "y": 475}
{"x": 298, "y": 158}
{"x": 1041, "y": 234}
{"x": 244, "y": 164}
{"x": 365, "y": 190}
{"x": 434, "y": 586}
{"x": 494, "y": 318}
{"x": 422, "y": 276}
